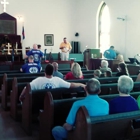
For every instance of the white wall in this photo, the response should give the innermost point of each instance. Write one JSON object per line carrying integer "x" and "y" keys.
{"x": 43, "y": 17}
{"x": 124, "y": 34}
{"x": 66, "y": 17}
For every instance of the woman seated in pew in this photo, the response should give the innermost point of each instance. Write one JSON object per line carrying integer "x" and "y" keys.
{"x": 120, "y": 58}
{"x": 122, "y": 68}
{"x": 97, "y": 73}
{"x": 30, "y": 67}
{"x": 104, "y": 66}
{"x": 93, "y": 103}
{"x": 75, "y": 73}
{"x": 49, "y": 82}
{"x": 125, "y": 102}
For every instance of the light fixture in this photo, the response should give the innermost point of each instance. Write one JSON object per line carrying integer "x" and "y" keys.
{"x": 119, "y": 18}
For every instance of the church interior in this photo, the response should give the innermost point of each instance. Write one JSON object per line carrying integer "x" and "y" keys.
{"x": 47, "y": 22}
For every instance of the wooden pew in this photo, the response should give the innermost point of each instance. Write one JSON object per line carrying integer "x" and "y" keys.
{"x": 34, "y": 100}
{"x": 107, "y": 127}
{"x": 8, "y": 82}
{"x": 11, "y": 71}
{"x": 112, "y": 88}
{"x": 86, "y": 75}
{"x": 7, "y": 86}
{"x": 103, "y": 80}
{"x": 15, "y": 105}
{"x": 52, "y": 115}
{"x": 17, "y": 88}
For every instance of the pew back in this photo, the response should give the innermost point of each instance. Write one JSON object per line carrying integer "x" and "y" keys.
{"x": 34, "y": 100}
{"x": 7, "y": 86}
{"x": 107, "y": 127}
{"x": 58, "y": 111}
{"x": 14, "y": 98}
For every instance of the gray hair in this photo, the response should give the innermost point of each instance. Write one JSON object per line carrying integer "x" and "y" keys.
{"x": 97, "y": 72}
{"x": 104, "y": 63}
{"x": 125, "y": 84}
{"x": 55, "y": 65}
{"x": 93, "y": 86}
{"x": 76, "y": 70}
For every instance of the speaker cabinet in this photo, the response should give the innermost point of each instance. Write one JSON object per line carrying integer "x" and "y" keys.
{"x": 75, "y": 47}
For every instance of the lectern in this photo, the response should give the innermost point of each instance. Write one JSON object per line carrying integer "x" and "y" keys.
{"x": 91, "y": 53}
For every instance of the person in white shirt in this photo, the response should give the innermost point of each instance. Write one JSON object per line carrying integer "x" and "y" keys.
{"x": 49, "y": 82}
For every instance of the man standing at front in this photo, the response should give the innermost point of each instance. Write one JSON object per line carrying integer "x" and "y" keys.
{"x": 65, "y": 49}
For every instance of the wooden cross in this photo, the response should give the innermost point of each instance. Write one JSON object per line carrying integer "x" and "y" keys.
{"x": 8, "y": 48}
{"x": 4, "y": 2}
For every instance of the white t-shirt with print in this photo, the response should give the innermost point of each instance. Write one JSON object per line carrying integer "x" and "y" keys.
{"x": 48, "y": 83}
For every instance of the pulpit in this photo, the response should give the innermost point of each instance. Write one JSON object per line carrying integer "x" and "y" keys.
{"x": 91, "y": 53}
{"x": 10, "y": 42}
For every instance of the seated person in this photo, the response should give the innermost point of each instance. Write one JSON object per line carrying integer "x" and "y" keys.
{"x": 56, "y": 72}
{"x": 75, "y": 73}
{"x": 110, "y": 53}
{"x": 49, "y": 82}
{"x": 93, "y": 103}
{"x": 122, "y": 68}
{"x": 125, "y": 102}
{"x": 37, "y": 54}
{"x": 108, "y": 74}
{"x": 120, "y": 58}
{"x": 104, "y": 66}
{"x": 97, "y": 73}
{"x": 39, "y": 47}
{"x": 30, "y": 67}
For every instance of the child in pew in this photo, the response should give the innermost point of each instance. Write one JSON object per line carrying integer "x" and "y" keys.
{"x": 75, "y": 73}
{"x": 93, "y": 103}
{"x": 125, "y": 102}
{"x": 97, "y": 73}
{"x": 30, "y": 67}
{"x": 49, "y": 82}
{"x": 122, "y": 68}
{"x": 104, "y": 66}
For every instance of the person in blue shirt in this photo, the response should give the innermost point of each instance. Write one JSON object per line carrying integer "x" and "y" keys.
{"x": 93, "y": 103}
{"x": 56, "y": 72}
{"x": 36, "y": 53}
{"x": 110, "y": 53}
{"x": 124, "y": 102}
{"x": 30, "y": 67}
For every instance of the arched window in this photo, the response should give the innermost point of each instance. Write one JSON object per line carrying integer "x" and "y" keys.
{"x": 103, "y": 27}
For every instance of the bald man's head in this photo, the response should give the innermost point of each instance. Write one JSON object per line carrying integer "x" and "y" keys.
{"x": 35, "y": 46}
{"x": 55, "y": 65}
